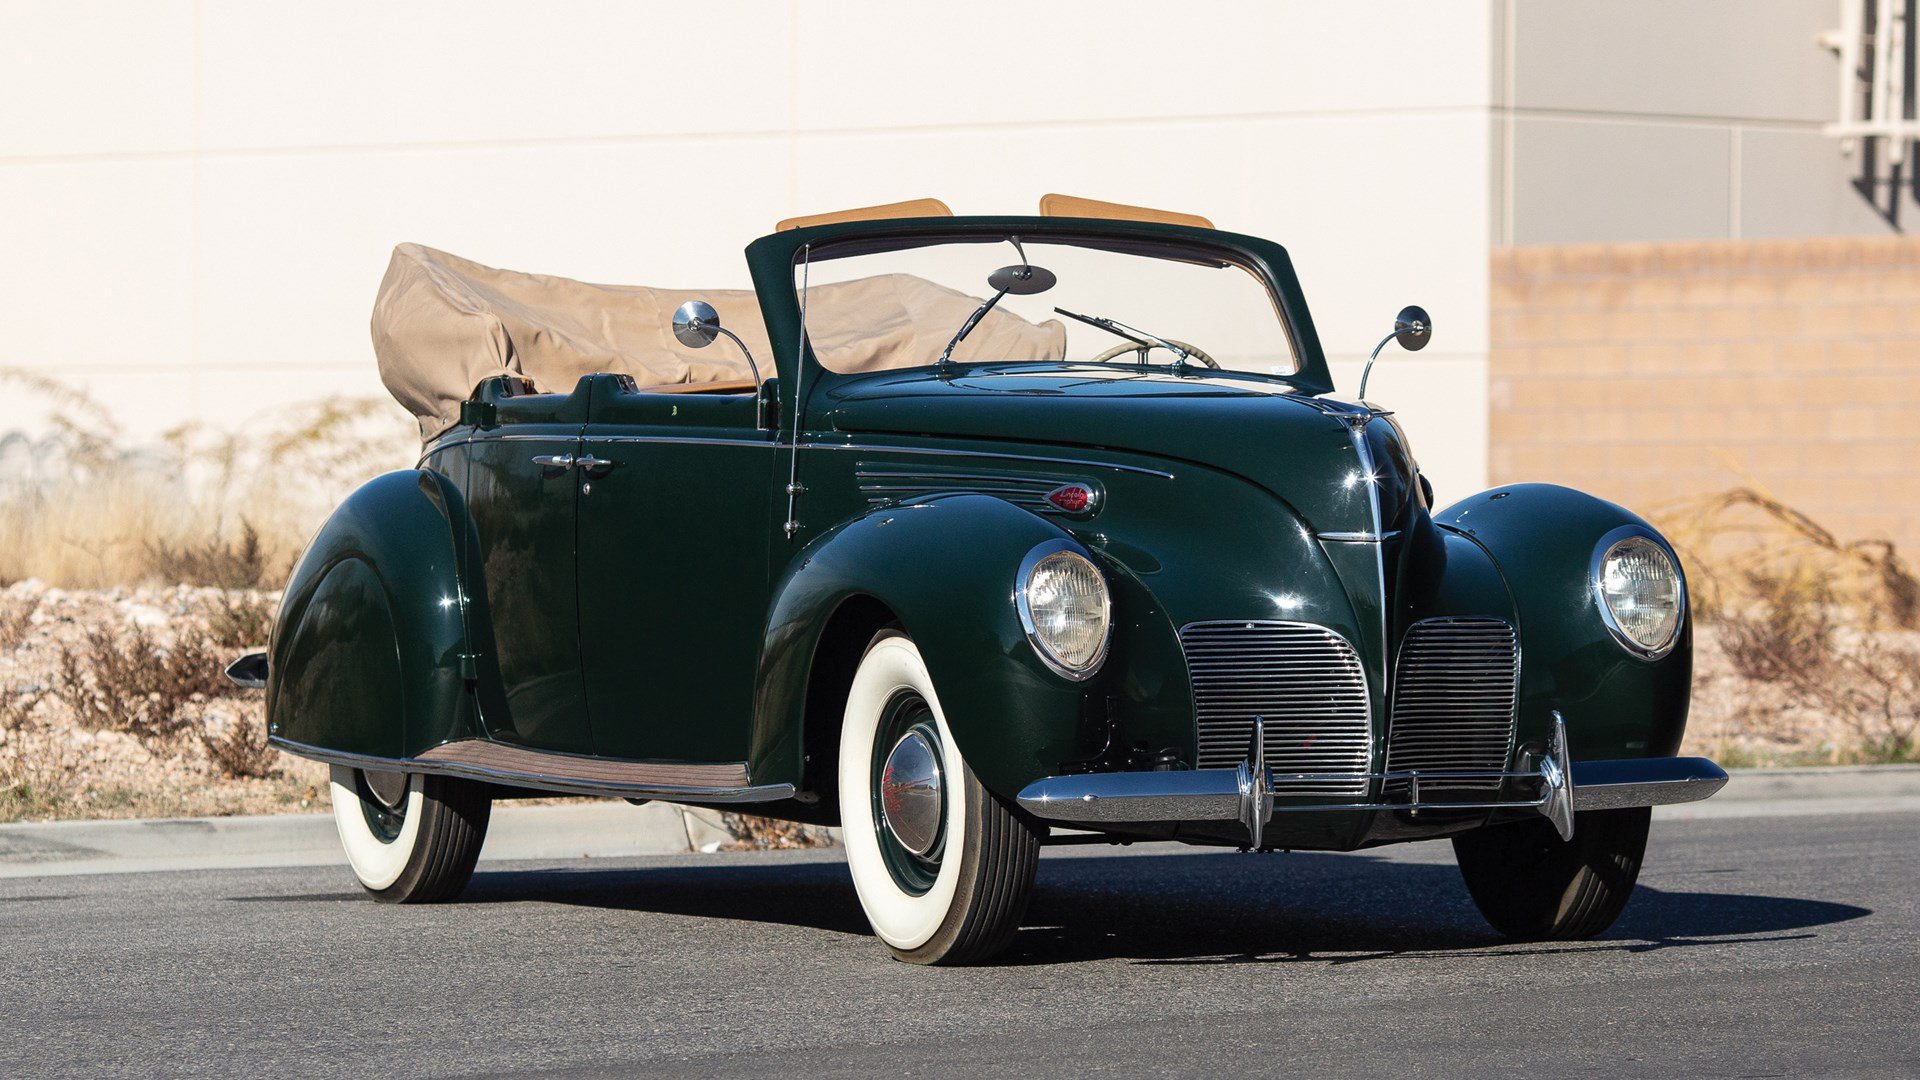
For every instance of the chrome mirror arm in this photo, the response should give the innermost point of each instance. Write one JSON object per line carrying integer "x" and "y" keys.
{"x": 1362, "y": 395}
{"x": 744, "y": 351}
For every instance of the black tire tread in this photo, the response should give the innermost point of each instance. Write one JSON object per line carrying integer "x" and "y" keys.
{"x": 453, "y": 826}
{"x": 1009, "y": 859}
{"x": 1532, "y": 885}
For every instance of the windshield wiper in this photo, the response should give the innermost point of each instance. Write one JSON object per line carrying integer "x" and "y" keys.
{"x": 1131, "y": 333}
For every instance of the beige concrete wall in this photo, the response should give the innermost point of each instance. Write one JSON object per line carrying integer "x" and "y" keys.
{"x": 1648, "y": 372}
{"x": 197, "y": 197}
{"x": 1652, "y": 120}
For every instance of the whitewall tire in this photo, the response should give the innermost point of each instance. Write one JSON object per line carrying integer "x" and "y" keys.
{"x": 942, "y": 867}
{"x": 409, "y": 838}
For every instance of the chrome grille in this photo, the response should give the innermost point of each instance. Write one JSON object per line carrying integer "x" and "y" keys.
{"x": 891, "y": 483}
{"x": 1454, "y": 696}
{"x": 1304, "y": 681}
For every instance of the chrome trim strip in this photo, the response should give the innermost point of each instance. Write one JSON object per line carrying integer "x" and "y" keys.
{"x": 564, "y": 784}
{"x": 1215, "y": 794}
{"x": 1358, "y": 537}
{"x": 873, "y": 448}
{"x": 867, "y": 447}
{"x": 1614, "y": 785}
{"x": 682, "y": 440}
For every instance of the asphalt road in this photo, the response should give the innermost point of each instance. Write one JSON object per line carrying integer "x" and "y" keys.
{"x": 1767, "y": 946}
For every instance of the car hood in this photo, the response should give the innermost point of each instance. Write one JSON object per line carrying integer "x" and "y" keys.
{"x": 1300, "y": 448}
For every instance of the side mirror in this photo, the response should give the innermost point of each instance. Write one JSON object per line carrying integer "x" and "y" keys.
{"x": 1412, "y": 328}
{"x": 696, "y": 324}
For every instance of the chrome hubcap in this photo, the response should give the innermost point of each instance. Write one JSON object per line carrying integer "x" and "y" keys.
{"x": 389, "y": 789}
{"x": 910, "y": 799}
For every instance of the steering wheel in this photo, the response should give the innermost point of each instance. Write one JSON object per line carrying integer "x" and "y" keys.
{"x": 1194, "y": 351}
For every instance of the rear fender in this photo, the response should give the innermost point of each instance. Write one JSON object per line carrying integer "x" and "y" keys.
{"x": 368, "y": 651}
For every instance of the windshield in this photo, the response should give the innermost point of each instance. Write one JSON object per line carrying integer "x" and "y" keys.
{"x": 1039, "y": 300}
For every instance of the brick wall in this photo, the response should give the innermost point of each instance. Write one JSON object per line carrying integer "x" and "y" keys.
{"x": 1648, "y": 372}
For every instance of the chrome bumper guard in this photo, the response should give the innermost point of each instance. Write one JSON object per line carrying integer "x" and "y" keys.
{"x": 1246, "y": 793}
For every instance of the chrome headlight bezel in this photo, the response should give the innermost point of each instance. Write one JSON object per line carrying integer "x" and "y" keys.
{"x": 1022, "y": 583}
{"x": 1596, "y": 580}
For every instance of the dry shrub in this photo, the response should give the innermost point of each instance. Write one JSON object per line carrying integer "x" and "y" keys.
{"x": 1811, "y": 622}
{"x": 241, "y": 620}
{"x": 754, "y": 833}
{"x": 36, "y": 776}
{"x": 16, "y": 623}
{"x": 237, "y": 563}
{"x": 16, "y": 707}
{"x": 1736, "y": 538}
{"x": 237, "y": 746}
{"x": 132, "y": 684}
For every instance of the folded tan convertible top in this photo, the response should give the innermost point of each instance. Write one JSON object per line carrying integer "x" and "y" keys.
{"x": 443, "y": 324}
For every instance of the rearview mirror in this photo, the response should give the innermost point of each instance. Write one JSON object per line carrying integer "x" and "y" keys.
{"x": 1022, "y": 280}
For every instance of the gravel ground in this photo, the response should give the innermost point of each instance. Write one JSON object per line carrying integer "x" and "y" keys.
{"x": 53, "y": 767}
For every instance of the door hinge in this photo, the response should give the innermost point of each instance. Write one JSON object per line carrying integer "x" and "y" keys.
{"x": 469, "y": 666}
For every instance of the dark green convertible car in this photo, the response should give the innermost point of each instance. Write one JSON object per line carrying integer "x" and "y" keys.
{"x": 974, "y": 534}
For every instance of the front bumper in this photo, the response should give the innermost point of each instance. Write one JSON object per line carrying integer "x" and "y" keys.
{"x": 1558, "y": 788}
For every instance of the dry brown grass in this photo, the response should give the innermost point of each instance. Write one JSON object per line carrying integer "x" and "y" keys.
{"x": 1812, "y": 641}
{"x": 198, "y": 506}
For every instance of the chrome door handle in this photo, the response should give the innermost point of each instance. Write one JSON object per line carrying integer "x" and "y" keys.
{"x": 588, "y": 463}
{"x": 554, "y": 461}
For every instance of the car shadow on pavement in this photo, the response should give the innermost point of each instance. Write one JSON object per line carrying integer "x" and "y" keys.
{"x": 1344, "y": 909}
{"x": 1187, "y": 908}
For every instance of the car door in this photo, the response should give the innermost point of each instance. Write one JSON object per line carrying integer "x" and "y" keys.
{"x": 674, "y": 528}
{"x": 523, "y": 495}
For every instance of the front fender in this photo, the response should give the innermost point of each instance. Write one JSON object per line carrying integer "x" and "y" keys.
{"x": 945, "y": 567}
{"x": 1542, "y": 539}
{"x": 366, "y": 654}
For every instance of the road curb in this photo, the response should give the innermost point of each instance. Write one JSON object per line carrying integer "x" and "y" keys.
{"x": 602, "y": 830}
{"x": 599, "y": 830}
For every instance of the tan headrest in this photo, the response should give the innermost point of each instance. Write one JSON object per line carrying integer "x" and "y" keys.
{"x": 1074, "y": 206}
{"x": 910, "y": 208}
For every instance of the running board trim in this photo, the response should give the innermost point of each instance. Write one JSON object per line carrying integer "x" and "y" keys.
{"x": 569, "y": 774}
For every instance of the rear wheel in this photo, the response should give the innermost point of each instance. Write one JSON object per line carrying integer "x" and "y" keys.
{"x": 942, "y": 867}
{"x": 410, "y": 838}
{"x": 1531, "y": 884}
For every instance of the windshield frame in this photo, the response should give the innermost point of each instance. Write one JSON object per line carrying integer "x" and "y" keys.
{"x": 775, "y": 262}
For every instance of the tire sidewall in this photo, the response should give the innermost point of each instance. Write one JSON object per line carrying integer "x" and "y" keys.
{"x": 377, "y": 861}
{"x": 893, "y": 665}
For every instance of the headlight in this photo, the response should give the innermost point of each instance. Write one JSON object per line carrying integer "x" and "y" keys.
{"x": 1640, "y": 592}
{"x": 1064, "y": 607}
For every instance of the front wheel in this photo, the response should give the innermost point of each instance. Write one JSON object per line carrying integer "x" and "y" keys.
{"x": 1531, "y": 884}
{"x": 943, "y": 868}
{"x": 411, "y": 839}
